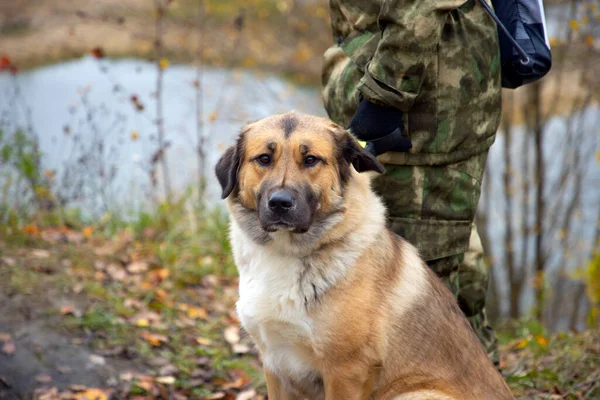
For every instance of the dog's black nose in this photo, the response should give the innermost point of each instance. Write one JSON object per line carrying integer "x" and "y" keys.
{"x": 281, "y": 199}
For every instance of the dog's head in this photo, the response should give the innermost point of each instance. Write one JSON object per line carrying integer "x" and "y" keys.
{"x": 291, "y": 169}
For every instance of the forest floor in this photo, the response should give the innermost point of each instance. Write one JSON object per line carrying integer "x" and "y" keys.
{"x": 144, "y": 316}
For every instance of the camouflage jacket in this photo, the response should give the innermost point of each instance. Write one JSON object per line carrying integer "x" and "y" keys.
{"x": 436, "y": 60}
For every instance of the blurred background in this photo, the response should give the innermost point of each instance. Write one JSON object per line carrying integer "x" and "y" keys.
{"x": 112, "y": 116}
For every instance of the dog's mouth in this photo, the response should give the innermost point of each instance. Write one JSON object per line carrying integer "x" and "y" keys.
{"x": 280, "y": 225}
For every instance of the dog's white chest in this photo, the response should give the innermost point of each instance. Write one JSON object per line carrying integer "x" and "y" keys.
{"x": 272, "y": 308}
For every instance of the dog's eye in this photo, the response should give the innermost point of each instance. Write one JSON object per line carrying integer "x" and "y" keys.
{"x": 309, "y": 161}
{"x": 264, "y": 160}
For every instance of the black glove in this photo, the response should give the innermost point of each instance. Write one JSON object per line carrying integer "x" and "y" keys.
{"x": 381, "y": 127}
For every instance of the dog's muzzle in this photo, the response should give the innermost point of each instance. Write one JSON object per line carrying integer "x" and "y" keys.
{"x": 285, "y": 209}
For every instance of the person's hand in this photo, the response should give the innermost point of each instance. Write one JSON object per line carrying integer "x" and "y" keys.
{"x": 381, "y": 127}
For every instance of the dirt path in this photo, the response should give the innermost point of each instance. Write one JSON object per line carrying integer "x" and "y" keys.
{"x": 45, "y": 357}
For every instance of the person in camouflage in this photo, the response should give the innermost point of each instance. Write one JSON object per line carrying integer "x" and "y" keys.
{"x": 430, "y": 68}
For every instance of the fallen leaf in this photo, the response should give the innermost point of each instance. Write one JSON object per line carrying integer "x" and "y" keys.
{"x": 43, "y": 379}
{"x": 39, "y": 253}
{"x": 154, "y": 339}
{"x": 97, "y": 360}
{"x": 134, "y": 135}
{"x": 246, "y": 395}
{"x": 168, "y": 370}
{"x": 142, "y": 322}
{"x": 11, "y": 262}
{"x": 167, "y": 380}
{"x": 116, "y": 272}
{"x": 163, "y": 63}
{"x": 91, "y": 394}
{"x": 197, "y": 312}
{"x": 542, "y": 341}
{"x": 66, "y": 310}
{"x": 5, "y": 337}
{"x": 203, "y": 341}
{"x": 213, "y": 116}
{"x": 32, "y": 230}
{"x": 9, "y": 348}
{"x": 523, "y": 343}
{"x": 216, "y": 396}
{"x": 232, "y": 334}
{"x": 137, "y": 267}
{"x": 87, "y": 232}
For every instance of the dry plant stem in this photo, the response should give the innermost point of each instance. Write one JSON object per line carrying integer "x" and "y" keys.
{"x": 160, "y": 9}
{"x": 200, "y": 137}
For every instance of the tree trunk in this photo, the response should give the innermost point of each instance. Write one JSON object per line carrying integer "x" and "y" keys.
{"x": 539, "y": 205}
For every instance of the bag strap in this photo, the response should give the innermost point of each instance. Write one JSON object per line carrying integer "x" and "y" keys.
{"x": 525, "y": 60}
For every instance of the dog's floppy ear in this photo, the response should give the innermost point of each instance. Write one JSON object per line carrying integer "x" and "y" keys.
{"x": 360, "y": 158}
{"x": 228, "y": 167}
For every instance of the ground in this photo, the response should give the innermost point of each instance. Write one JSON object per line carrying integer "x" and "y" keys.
{"x": 85, "y": 317}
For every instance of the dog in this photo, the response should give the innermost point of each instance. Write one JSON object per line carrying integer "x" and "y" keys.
{"x": 339, "y": 307}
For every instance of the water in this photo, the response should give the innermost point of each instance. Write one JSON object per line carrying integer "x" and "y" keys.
{"x": 75, "y": 104}
{"x": 85, "y": 107}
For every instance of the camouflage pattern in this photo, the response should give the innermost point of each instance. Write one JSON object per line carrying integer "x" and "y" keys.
{"x": 439, "y": 62}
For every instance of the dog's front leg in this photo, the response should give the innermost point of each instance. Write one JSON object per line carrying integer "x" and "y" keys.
{"x": 275, "y": 388}
{"x": 348, "y": 382}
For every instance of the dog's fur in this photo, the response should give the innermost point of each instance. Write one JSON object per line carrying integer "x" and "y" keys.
{"x": 339, "y": 307}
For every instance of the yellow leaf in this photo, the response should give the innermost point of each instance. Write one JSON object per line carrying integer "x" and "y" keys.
{"x": 163, "y": 63}
{"x": 542, "y": 341}
{"x": 553, "y": 41}
{"x": 134, "y": 135}
{"x": 523, "y": 343}
{"x": 91, "y": 394}
{"x": 598, "y": 156}
{"x": 212, "y": 116}
{"x": 142, "y": 322}
{"x": 574, "y": 24}
{"x": 203, "y": 341}
{"x": 154, "y": 339}
{"x": 197, "y": 312}
{"x": 87, "y": 231}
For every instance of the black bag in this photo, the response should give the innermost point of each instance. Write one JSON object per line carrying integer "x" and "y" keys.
{"x": 524, "y": 47}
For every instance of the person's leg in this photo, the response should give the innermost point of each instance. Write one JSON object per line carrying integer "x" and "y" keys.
{"x": 473, "y": 280}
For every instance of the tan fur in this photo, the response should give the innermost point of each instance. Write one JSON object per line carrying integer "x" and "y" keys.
{"x": 380, "y": 325}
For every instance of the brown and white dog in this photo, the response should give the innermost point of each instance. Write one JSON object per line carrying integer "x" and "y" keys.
{"x": 339, "y": 307}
